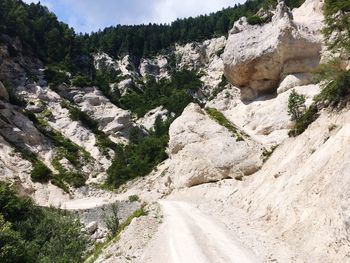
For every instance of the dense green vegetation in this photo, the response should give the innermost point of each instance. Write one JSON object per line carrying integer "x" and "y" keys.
{"x": 40, "y": 173}
{"x": 335, "y": 77}
{"x": 56, "y": 43}
{"x": 52, "y": 41}
{"x": 29, "y": 233}
{"x": 65, "y": 148}
{"x": 174, "y": 94}
{"x": 140, "y": 156}
{"x": 337, "y": 17}
{"x": 336, "y": 87}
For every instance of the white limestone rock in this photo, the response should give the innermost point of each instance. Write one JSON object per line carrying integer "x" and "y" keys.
{"x": 150, "y": 117}
{"x": 258, "y": 57}
{"x": 203, "y": 151}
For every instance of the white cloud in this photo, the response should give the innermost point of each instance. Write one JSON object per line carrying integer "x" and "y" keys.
{"x": 170, "y": 10}
{"x": 91, "y": 15}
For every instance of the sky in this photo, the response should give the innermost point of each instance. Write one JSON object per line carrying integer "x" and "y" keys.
{"x": 92, "y": 15}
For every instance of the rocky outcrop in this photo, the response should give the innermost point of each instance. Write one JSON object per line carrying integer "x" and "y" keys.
{"x": 258, "y": 58}
{"x": 17, "y": 129}
{"x": 266, "y": 120}
{"x": 150, "y": 117}
{"x": 112, "y": 120}
{"x": 157, "y": 67}
{"x": 206, "y": 58}
{"x": 203, "y": 151}
{"x": 17, "y": 62}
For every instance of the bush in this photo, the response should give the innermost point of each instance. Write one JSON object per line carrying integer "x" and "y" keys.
{"x": 134, "y": 198}
{"x": 296, "y": 105}
{"x": 303, "y": 122}
{"x": 55, "y": 77}
{"x": 40, "y": 173}
{"x": 81, "y": 81}
{"x": 138, "y": 159}
{"x": 29, "y": 233}
{"x": 337, "y": 85}
{"x": 257, "y": 20}
{"x": 111, "y": 220}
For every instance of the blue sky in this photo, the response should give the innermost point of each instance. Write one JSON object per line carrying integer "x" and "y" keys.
{"x": 91, "y": 15}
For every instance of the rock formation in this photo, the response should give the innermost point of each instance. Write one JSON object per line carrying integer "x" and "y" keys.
{"x": 203, "y": 151}
{"x": 258, "y": 58}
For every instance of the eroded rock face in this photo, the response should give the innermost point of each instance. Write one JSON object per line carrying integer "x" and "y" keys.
{"x": 150, "y": 117}
{"x": 206, "y": 58}
{"x": 3, "y": 92}
{"x": 203, "y": 151}
{"x": 257, "y": 58}
{"x": 157, "y": 67}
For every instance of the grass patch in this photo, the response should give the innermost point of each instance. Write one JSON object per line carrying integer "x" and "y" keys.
{"x": 223, "y": 121}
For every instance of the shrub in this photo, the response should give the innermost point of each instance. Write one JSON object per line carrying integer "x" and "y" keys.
{"x": 134, "y": 198}
{"x": 81, "y": 81}
{"x": 40, "y": 173}
{"x": 111, "y": 219}
{"x": 336, "y": 87}
{"x": 55, "y": 77}
{"x": 29, "y": 233}
{"x": 303, "y": 122}
{"x": 138, "y": 159}
{"x": 257, "y": 20}
{"x": 296, "y": 105}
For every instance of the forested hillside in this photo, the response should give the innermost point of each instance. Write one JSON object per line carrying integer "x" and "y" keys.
{"x": 56, "y": 43}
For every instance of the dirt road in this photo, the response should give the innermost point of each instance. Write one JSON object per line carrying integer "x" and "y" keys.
{"x": 189, "y": 236}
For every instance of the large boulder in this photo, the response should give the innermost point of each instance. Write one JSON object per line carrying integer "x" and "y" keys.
{"x": 202, "y": 151}
{"x": 257, "y": 58}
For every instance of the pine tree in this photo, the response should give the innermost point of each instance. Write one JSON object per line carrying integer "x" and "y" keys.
{"x": 337, "y": 30}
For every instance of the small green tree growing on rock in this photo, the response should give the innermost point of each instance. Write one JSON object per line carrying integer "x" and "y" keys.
{"x": 296, "y": 105}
